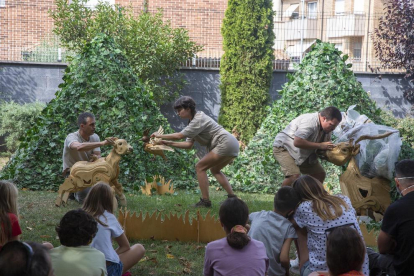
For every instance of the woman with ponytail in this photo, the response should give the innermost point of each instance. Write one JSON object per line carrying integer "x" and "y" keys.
{"x": 221, "y": 145}
{"x": 236, "y": 254}
{"x": 318, "y": 214}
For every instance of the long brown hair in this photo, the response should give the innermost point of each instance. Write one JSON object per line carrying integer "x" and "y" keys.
{"x": 99, "y": 199}
{"x": 310, "y": 189}
{"x": 8, "y": 204}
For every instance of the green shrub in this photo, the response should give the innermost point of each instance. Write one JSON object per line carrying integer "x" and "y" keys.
{"x": 322, "y": 79}
{"x": 16, "y": 119}
{"x": 152, "y": 47}
{"x": 101, "y": 81}
{"x": 246, "y": 66}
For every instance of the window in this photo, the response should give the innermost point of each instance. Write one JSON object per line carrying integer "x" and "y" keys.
{"x": 2, "y": 3}
{"x": 339, "y": 7}
{"x": 312, "y": 10}
{"x": 338, "y": 46}
{"x": 357, "y": 45}
{"x": 359, "y": 7}
{"x": 292, "y": 10}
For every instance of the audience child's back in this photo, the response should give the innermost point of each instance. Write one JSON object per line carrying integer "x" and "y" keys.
{"x": 275, "y": 230}
{"x": 75, "y": 257}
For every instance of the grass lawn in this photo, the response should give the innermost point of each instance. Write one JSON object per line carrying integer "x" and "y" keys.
{"x": 39, "y": 216}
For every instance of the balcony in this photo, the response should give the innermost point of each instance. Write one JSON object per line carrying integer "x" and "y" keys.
{"x": 294, "y": 28}
{"x": 346, "y": 25}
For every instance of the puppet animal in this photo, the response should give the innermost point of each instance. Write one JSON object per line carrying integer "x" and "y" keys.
{"x": 154, "y": 145}
{"x": 365, "y": 193}
{"x": 85, "y": 174}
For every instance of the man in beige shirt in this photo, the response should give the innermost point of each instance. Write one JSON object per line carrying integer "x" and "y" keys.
{"x": 295, "y": 147}
{"x": 82, "y": 145}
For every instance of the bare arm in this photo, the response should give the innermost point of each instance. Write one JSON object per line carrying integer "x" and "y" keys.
{"x": 284, "y": 255}
{"x": 173, "y": 136}
{"x": 305, "y": 144}
{"x": 123, "y": 244}
{"x": 181, "y": 145}
{"x": 88, "y": 145}
{"x": 386, "y": 243}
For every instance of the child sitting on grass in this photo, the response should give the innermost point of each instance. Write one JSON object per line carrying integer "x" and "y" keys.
{"x": 236, "y": 254}
{"x": 9, "y": 222}
{"x": 99, "y": 204}
{"x": 75, "y": 257}
{"x": 275, "y": 230}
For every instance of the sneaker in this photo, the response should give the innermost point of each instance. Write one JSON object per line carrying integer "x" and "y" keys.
{"x": 294, "y": 266}
{"x": 202, "y": 203}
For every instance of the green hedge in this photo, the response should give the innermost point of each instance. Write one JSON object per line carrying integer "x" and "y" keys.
{"x": 101, "y": 81}
{"x": 246, "y": 66}
{"x": 322, "y": 79}
{"x": 15, "y": 119}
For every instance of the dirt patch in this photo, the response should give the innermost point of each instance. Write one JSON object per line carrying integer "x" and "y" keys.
{"x": 3, "y": 161}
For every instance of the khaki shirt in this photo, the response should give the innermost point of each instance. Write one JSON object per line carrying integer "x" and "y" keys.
{"x": 71, "y": 156}
{"x": 308, "y": 127}
{"x": 202, "y": 129}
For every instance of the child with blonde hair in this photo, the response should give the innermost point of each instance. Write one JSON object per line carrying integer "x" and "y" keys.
{"x": 99, "y": 204}
{"x": 9, "y": 222}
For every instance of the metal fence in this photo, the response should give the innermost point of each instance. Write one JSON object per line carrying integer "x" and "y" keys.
{"x": 26, "y": 34}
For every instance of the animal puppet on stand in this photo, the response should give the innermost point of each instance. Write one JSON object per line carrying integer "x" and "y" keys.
{"x": 369, "y": 196}
{"x": 154, "y": 145}
{"x": 84, "y": 174}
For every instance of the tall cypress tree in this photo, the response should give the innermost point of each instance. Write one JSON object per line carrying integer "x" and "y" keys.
{"x": 246, "y": 66}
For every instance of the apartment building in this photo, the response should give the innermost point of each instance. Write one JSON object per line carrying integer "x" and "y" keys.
{"x": 25, "y": 26}
{"x": 346, "y": 23}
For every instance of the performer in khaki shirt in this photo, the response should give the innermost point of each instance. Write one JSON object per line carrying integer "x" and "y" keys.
{"x": 222, "y": 146}
{"x": 82, "y": 145}
{"x": 295, "y": 147}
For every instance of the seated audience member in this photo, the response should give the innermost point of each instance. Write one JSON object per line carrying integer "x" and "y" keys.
{"x": 236, "y": 254}
{"x": 21, "y": 258}
{"x": 317, "y": 214}
{"x": 345, "y": 252}
{"x": 99, "y": 204}
{"x": 396, "y": 236}
{"x": 275, "y": 230}
{"x": 10, "y": 228}
{"x": 75, "y": 257}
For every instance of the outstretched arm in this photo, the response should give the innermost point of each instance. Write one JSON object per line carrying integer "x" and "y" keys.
{"x": 181, "y": 145}
{"x": 173, "y": 136}
{"x": 305, "y": 144}
{"x": 91, "y": 145}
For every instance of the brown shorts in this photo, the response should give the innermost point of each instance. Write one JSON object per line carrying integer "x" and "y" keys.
{"x": 289, "y": 167}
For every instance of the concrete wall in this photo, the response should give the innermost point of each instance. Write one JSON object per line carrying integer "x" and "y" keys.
{"x": 27, "y": 82}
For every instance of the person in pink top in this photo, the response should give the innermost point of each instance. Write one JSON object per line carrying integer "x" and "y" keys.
{"x": 236, "y": 254}
{"x": 10, "y": 228}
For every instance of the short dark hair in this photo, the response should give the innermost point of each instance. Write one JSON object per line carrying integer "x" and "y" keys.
{"x": 41, "y": 263}
{"x": 345, "y": 250}
{"x": 18, "y": 258}
{"x": 234, "y": 211}
{"x": 83, "y": 117}
{"x": 330, "y": 113}
{"x": 186, "y": 102}
{"x": 286, "y": 199}
{"x": 405, "y": 168}
{"x": 76, "y": 228}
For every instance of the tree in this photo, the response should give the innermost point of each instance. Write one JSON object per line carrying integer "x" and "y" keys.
{"x": 153, "y": 48}
{"x": 99, "y": 80}
{"x": 394, "y": 39}
{"x": 246, "y": 66}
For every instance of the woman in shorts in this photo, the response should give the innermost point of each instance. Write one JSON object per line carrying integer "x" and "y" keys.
{"x": 222, "y": 146}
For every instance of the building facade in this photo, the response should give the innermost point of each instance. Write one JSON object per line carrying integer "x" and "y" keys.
{"x": 26, "y": 28}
